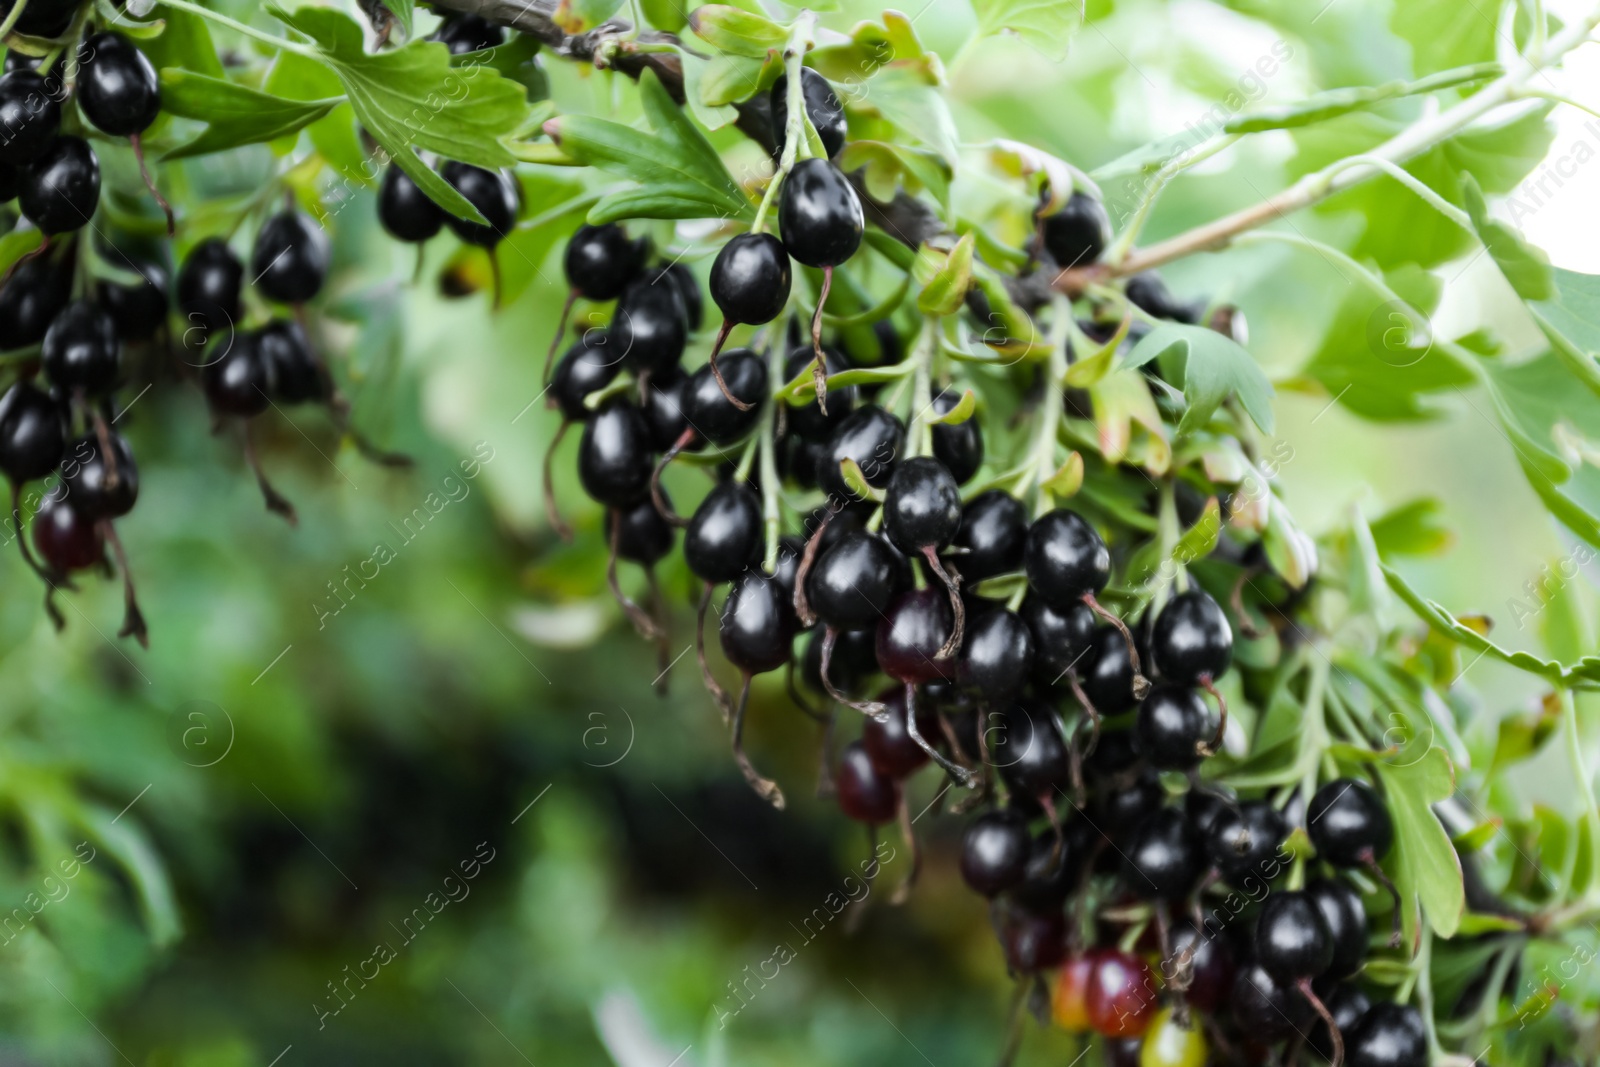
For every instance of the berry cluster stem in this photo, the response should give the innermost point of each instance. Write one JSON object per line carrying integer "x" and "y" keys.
{"x": 771, "y": 516}
{"x": 794, "y": 134}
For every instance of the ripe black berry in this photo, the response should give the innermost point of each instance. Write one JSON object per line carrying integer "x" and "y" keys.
{"x": 1347, "y": 1004}
{"x": 1060, "y": 638}
{"x": 888, "y": 738}
{"x": 296, "y": 374}
{"x": 90, "y": 487}
{"x": 1348, "y": 823}
{"x": 1034, "y": 942}
{"x": 865, "y": 793}
{"x": 614, "y": 455}
{"x": 239, "y": 380}
{"x": 1029, "y": 751}
{"x": 81, "y": 350}
{"x": 30, "y": 116}
{"x": 663, "y": 408}
{"x": 495, "y": 196}
{"x": 822, "y": 108}
{"x": 1105, "y": 671}
{"x": 208, "y": 287}
{"x": 958, "y": 446}
{"x": 65, "y": 540}
{"x": 117, "y": 86}
{"x": 1077, "y": 235}
{"x": 1243, "y": 841}
{"x": 750, "y": 279}
{"x": 1125, "y": 805}
{"x": 601, "y": 260}
{"x": 870, "y": 436}
{"x": 916, "y": 626}
{"x": 60, "y": 188}
{"x": 643, "y": 536}
{"x": 694, "y": 302}
{"x": 1388, "y": 1035}
{"x": 1266, "y": 1007}
{"x": 1172, "y": 728}
{"x": 1192, "y": 642}
{"x": 1149, "y": 293}
{"x": 589, "y": 365}
{"x": 1065, "y": 558}
{"x": 994, "y": 531}
{"x": 819, "y": 214}
{"x": 290, "y": 259}
{"x": 708, "y": 409}
{"x": 35, "y": 294}
{"x": 138, "y": 310}
{"x": 995, "y": 852}
{"x": 921, "y": 506}
{"x": 757, "y": 624}
{"x": 1346, "y": 917}
{"x": 996, "y": 655}
{"x": 809, "y": 421}
{"x": 468, "y": 33}
{"x": 724, "y": 536}
{"x": 650, "y": 328}
{"x": 404, "y": 210}
{"x": 1165, "y": 857}
{"x": 1292, "y": 939}
{"x": 32, "y": 433}
{"x": 853, "y": 582}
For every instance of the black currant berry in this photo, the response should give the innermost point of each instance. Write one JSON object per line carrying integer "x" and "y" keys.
{"x": 916, "y": 626}
{"x": 1029, "y": 752}
{"x": 208, "y": 287}
{"x": 808, "y": 420}
{"x": 1055, "y": 865}
{"x": 819, "y": 214}
{"x": 468, "y": 33}
{"x": 404, "y": 210}
{"x": 644, "y": 537}
{"x": 888, "y": 739}
{"x": 854, "y": 661}
{"x": 601, "y": 260}
{"x": 921, "y": 505}
{"x": 694, "y": 301}
{"x": 994, "y": 531}
{"x": 822, "y": 108}
{"x": 757, "y": 627}
{"x": 1388, "y": 1035}
{"x": 588, "y": 366}
{"x": 1268, "y": 1008}
{"x": 41, "y": 18}
{"x": 994, "y": 852}
{"x": 9, "y": 181}
{"x": 870, "y": 436}
{"x": 1060, "y": 638}
{"x": 90, "y": 488}
{"x": 1242, "y": 841}
{"x": 1116, "y": 754}
{"x": 1077, "y": 235}
{"x": 1105, "y": 671}
{"x": 60, "y": 189}
{"x": 30, "y": 116}
{"x": 958, "y": 446}
{"x": 1192, "y": 642}
{"x": 1348, "y": 823}
{"x": 614, "y": 458}
{"x": 33, "y": 431}
{"x": 239, "y": 380}
{"x": 1165, "y": 857}
{"x": 750, "y": 279}
{"x": 1172, "y": 728}
{"x": 290, "y": 258}
{"x": 138, "y": 310}
{"x": 1292, "y": 939}
{"x": 81, "y": 351}
{"x": 996, "y": 655}
{"x": 1124, "y": 806}
{"x": 1065, "y": 559}
{"x": 1033, "y": 942}
{"x": 865, "y": 793}
{"x": 1210, "y": 964}
{"x": 117, "y": 86}
{"x": 65, "y": 540}
{"x": 1346, "y": 917}
{"x": 852, "y": 584}
{"x": 495, "y": 196}
{"x": 30, "y": 301}
{"x": 1347, "y": 1004}
{"x": 297, "y": 375}
{"x": 650, "y": 328}
{"x": 663, "y": 408}
{"x": 724, "y": 536}
{"x": 707, "y": 408}
{"x": 1149, "y": 293}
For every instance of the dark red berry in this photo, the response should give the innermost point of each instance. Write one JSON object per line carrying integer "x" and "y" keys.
{"x": 66, "y": 541}
{"x": 1035, "y": 941}
{"x": 889, "y": 742}
{"x": 1121, "y": 995}
{"x": 865, "y": 793}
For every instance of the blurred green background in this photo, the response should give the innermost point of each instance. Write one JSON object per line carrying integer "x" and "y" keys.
{"x": 274, "y": 788}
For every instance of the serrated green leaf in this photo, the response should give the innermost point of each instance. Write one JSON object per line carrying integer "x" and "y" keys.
{"x": 185, "y": 43}
{"x": 918, "y": 108}
{"x": 235, "y": 115}
{"x": 1525, "y": 267}
{"x": 1447, "y": 625}
{"x": 1423, "y": 863}
{"x": 1442, "y": 35}
{"x": 403, "y": 12}
{"x": 1047, "y": 25}
{"x": 946, "y": 287}
{"x": 1570, "y": 318}
{"x": 743, "y": 33}
{"x": 1213, "y": 367}
{"x": 1413, "y": 529}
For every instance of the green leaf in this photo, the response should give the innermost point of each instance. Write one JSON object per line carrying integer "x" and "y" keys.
{"x": 15, "y": 245}
{"x": 958, "y": 414}
{"x": 130, "y": 848}
{"x": 680, "y": 172}
{"x": 1214, "y": 366}
{"x": 581, "y": 16}
{"x": 1067, "y": 479}
{"x": 743, "y": 33}
{"x": 1423, "y": 863}
{"x": 1199, "y": 540}
{"x": 186, "y": 43}
{"x": 1332, "y": 103}
{"x": 235, "y": 115}
{"x": 1413, "y": 529}
{"x": 1570, "y": 318}
{"x": 1525, "y": 267}
{"x": 918, "y": 107}
{"x": 1443, "y": 34}
{"x": 948, "y": 277}
{"x": 403, "y": 12}
{"x": 1047, "y": 25}
{"x": 665, "y": 15}
{"x": 1085, "y": 371}
{"x": 1448, "y": 626}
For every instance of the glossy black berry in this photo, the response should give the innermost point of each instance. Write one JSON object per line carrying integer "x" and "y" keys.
{"x": 290, "y": 258}
{"x": 1034, "y": 942}
{"x": 33, "y": 432}
{"x": 724, "y": 536}
{"x": 888, "y": 739}
{"x": 865, "y": 793}
{"x": 994, "y": 531}
{"x": 1348, "y": 823}
{"x": 589, "y": 365}
{"x": 1149, "y": 292}
{"x": 1346, "y": 917}
{"x": 1029, "y": 752}
{"x": 807, "y": 420}
{"x": 851, "y": 584}
{"x": 707, "y": 408}
{"x": 1060, "y": 638}
{"x": 41, "y": 18}
{"x": 644, "y": 536}
{"x": 1192, "y": 640}
{"x": 1347, "y": 1004}
{"x": 1292, "y": 939}
{"x": 1266, "y": 1007}
{"x": 1077, "y": 235}
{"x": 870, "y": 436}
{"x": 139, "y": 309}
{"x": 1055, "y": 866}
{"x": 89, "y": 488}
{"x": 35, "y": 294}
{"x": 614, "y": 458}
{"x": 239, "y": 380}
{"x": 819, "y": 214}
{"x": 757, "y": 626}
{"x": 854, "y": 662}
{"x": 404, "y": 210}
{"x": 1388, "y": 1035}
{"x": 1105, "y": 671}
{"x": 996, "y": 655}
{"x": 117, "y": 86}
{"x": 208, "y": 287}
{"x": 994, "y": 852}
{"x": 60, "y": 189}
{"x": 750, "y": 279}
{"x": 663, "y": 408}
{"x": 694, "y": 301}
{"x": 650, "y": 328}
{"x": 1112, "y": 758}
{"x": 912, "y": 632}
{"x": 1125, "y": 805}
{"x": 495, "y": 196}
{"x": 1243, "y": 842}
{"x": 81, "y": 350}
{"x": 468, "y": 33}
{"x": 1065, "y": 558}
{"x": 921, "y": 505}
{"x": 10, "y": 179}
{"x": 822, "y": 108}
{"x": 601, "y": 260}
{"x": 1211, "y": 964}
{"x": 65, "y": 540}
{"x": 297, "y": 376}
{"x": 1165, "y": 857}
{"x": 958, "y": 446}
{"x": 1172, "y": 725}
{"x": 30, "y": 116}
